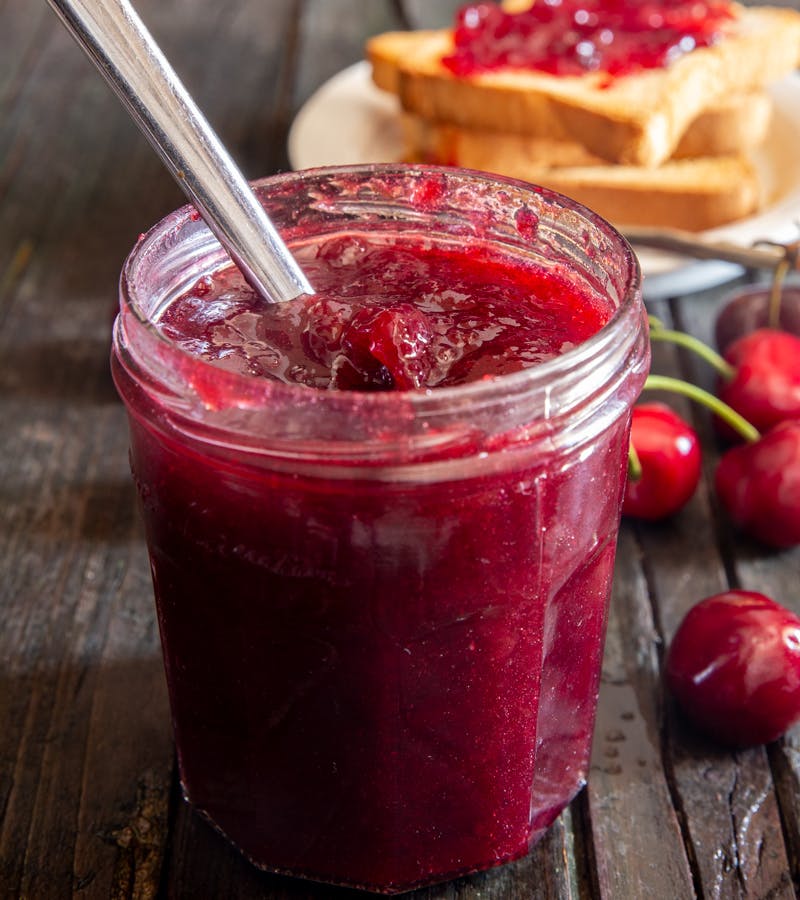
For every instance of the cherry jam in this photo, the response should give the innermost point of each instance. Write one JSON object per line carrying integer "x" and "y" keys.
{"x": 381, "y": 551}
{"x": 574, "y": 37}
{"x": 394, "y": 315}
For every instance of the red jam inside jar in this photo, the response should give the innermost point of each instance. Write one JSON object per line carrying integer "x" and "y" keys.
{"x": 394, "y": 315}
{"x": 575, "y": 37}
{"x": 382, "y": 519}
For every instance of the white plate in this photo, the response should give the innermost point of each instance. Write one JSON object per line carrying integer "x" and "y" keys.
{"x": 348, "y": 120}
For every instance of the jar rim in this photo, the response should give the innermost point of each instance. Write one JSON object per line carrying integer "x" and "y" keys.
{"x": 484, "y": 390}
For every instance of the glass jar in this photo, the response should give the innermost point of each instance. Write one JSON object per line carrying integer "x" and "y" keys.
{"x": 382, "y": 614}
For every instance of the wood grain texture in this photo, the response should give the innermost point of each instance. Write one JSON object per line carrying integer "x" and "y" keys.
{"x": 90, "y": 806}
{"x": 628, "y": 783}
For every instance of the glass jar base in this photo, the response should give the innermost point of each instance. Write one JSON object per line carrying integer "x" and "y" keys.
{"x": 543, "y": 822}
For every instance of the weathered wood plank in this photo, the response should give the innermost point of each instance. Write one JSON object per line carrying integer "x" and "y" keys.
{"x": 86, "y": 749}
{"x": 627, "y": 781}
{"x": 21, "y": 37}
{"x": 332, "y": 37}
{"x": 431, "y": 15}
{"x": 74, "y": 589}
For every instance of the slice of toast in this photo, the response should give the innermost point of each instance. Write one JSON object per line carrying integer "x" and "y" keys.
{"x": 737, "y": 125}
{"x": 692, "y": 194}
{"x": 636, "y": 119}
{"x": 689, "y": 194}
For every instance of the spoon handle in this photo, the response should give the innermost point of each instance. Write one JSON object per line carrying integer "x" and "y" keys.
{"x": 762, "y": 255}
{"x": 116, "y": 40}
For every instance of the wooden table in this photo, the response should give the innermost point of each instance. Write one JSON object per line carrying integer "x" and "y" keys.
{"x": 89, "y": 803}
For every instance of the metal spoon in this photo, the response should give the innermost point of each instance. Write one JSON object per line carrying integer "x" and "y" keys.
{"x": 763, "y": 254}
{"x": 116, "y": 40}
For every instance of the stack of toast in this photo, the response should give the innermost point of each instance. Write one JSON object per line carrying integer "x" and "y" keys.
{"x": 668, "y": 147}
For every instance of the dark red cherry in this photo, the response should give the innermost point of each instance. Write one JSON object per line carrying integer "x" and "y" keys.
{"x": 759, "y": 485}
{"x": 669, "y": 454}
{"x": 765, "y": 388}
{"x": 400, "y": 339}
{"x": 734, "y": 668}
{"x": 749, "y": 309}
{"x": 384, "y": 349}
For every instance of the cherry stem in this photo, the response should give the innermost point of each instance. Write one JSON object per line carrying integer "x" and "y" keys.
{"x": 728, "y": 415}
{"x": 775, "y": 294}
{"x": 659, "y": 333}
{"x": 634, "y": 463}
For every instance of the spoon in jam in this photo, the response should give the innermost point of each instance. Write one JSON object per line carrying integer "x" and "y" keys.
{"x": 116, "y": 40}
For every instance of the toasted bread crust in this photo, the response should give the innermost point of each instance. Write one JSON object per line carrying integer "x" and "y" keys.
{"x": 638, "y": 119}
{"x": 715, "y": 191}
{"x": 692, "y": 194}
{"x": 737, "y": 123}
{"x": 735, "y": 126}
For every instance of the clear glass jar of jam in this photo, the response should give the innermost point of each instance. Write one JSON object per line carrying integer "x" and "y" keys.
{"x": 382, "y": 610}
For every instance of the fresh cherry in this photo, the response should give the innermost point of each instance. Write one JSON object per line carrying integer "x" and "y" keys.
{"x": 734, "y": 668}
{"x": 668, "y": 452}
{"x": 765, "y": 385}
{"x": 758, "y": 483}
{"x": 749, "y": 309}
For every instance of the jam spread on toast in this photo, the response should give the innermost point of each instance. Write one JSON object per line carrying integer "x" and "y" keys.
{"x": 576, "y": 37}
